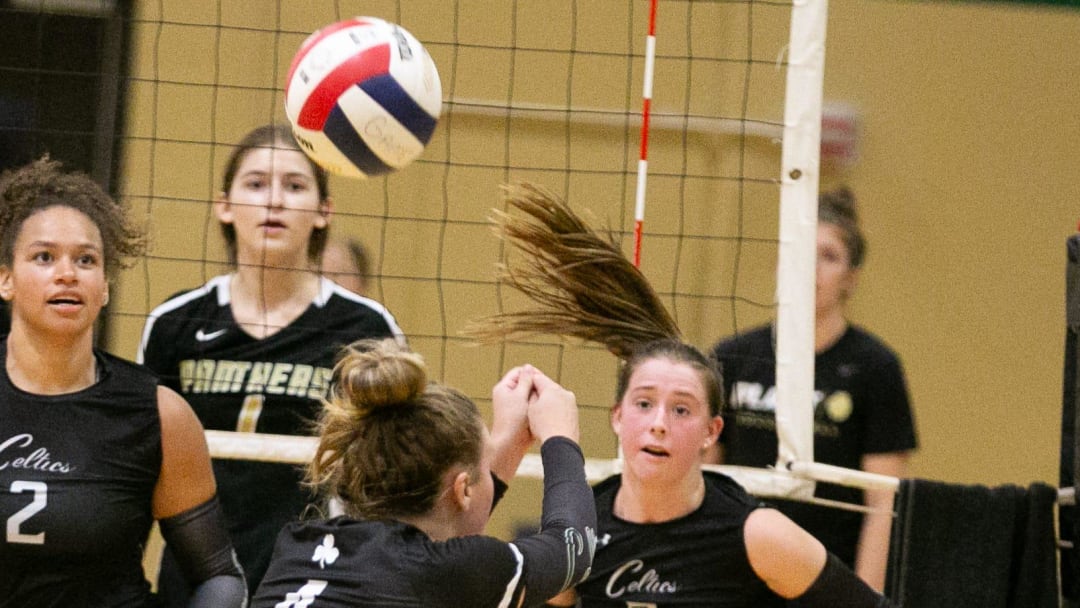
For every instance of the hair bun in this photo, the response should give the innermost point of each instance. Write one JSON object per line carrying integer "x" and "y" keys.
{"x": 379, "y": 373}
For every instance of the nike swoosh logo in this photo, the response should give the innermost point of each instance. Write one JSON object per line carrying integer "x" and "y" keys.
{"x": 202, "y": 336}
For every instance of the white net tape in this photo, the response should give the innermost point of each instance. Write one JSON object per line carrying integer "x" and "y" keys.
{"x": 292, "y": 449}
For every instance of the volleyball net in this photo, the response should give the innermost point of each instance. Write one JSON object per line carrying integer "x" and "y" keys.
{"x": 544, "y": 92}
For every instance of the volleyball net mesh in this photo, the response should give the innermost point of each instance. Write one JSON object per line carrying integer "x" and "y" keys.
{"x": 545, "y": 92}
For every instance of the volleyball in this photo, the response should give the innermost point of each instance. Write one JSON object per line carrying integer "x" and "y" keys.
{"x": 363, "y": 97}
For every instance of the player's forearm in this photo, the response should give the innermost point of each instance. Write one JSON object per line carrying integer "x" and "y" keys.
{"x": 508, "y": 453}
{"x": 560, "y": 555}
{"x": 873, "y": 552}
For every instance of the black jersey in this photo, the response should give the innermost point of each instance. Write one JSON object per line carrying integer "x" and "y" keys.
{"x": 348, "y": 563}
{"x": 861, "y": 406}
{"x": 235, "y": 382}
{"x": 77, "y": 477}
{"x": 697, "y": 560}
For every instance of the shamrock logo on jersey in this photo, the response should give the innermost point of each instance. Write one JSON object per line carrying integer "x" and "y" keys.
{"x": 325, "y": 553}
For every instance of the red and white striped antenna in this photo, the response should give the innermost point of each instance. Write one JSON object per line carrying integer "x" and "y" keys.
{"x": 643, "y": 160}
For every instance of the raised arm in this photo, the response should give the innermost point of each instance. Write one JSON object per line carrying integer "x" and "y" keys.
{"x": 560, "y": 555}
{"x": 187, "y": 510}
{"x": 510, "y": 434}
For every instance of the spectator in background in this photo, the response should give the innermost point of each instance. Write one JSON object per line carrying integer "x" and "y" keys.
{"x": 862, "y": 414}
{"x": 345, "y": 261}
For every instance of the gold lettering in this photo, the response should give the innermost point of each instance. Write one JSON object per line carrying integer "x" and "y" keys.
{"x": 260, "y": 374}
{"x": 300, "y": 380}
{"x": 279, "y": 378}
{"x": 187, "y": 375}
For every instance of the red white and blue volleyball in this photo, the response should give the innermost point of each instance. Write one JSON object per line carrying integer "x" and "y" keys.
{"x": 363, "y": 97}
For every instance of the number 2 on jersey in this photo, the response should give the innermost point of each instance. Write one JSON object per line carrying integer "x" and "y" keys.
{"x": 38, "y": 503}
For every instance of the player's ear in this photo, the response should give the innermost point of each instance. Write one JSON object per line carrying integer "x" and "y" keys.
{"x": 460, "y": 491}
{"x": 223, "y": 208}
{"x": 7, "y": 288}
{"x": 325, "y": 208}
{"x": 616, "y": 417}
{"x": 850, "y": 282}
{"x": 716, "y": 424}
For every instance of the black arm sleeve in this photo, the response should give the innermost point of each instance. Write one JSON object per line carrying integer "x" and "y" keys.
{"x": 500, "y": 490}
{"x": 200, "y": 542}
{"x": 560, "y": 555}
{"x": 838, "y": 587}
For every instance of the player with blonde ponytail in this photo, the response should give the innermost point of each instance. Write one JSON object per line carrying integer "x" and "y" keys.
{"x": 417, "y": 474}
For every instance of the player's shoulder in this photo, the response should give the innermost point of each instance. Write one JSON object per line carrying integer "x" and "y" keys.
{"x": 332, "y": 294}
{"x": 213, "y": 293}
{"x": 716, "y": 481}
{"x": 342, "y": 305}
{"x": 607, "y": 486}
{"x": 869, "y": 347}
{"x": 604, "y": 493}
{"x": 750, "y": 341}
{"x": 126, "y": 372}
{"x": 726, "y": 499}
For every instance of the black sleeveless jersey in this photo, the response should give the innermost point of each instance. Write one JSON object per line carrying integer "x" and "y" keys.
{"x": 698, "y": 560}
{"x": 77, "y": 476}
{"x": 236, "y": 382}
{"x": 349, "y": 563}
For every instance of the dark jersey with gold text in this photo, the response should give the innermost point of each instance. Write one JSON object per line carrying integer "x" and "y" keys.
{"x": 861, "y": 407}
{"x": 236, "y": 382}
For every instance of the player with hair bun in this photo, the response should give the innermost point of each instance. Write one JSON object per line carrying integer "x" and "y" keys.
{"x": 92, "y": 449}
{"x": 418, "y": 474}
{"x": 253, "y": 350}
{"x": 862, "y": 413}
{"x": 668, "y": 533}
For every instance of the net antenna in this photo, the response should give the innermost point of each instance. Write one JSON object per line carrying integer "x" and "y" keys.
{"x": 800, "y": 182}
{"x": 646, "y": 106}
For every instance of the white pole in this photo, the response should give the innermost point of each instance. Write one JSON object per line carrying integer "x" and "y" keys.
{"x": 798, "y": 235}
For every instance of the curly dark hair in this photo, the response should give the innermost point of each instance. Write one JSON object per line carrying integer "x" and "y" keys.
{"x": 42, "y": 184}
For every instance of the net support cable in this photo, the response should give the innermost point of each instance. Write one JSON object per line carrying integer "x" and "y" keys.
{"x": 601, "y": 117}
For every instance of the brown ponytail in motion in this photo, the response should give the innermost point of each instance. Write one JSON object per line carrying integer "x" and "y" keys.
{"x": 585, "y": 288}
